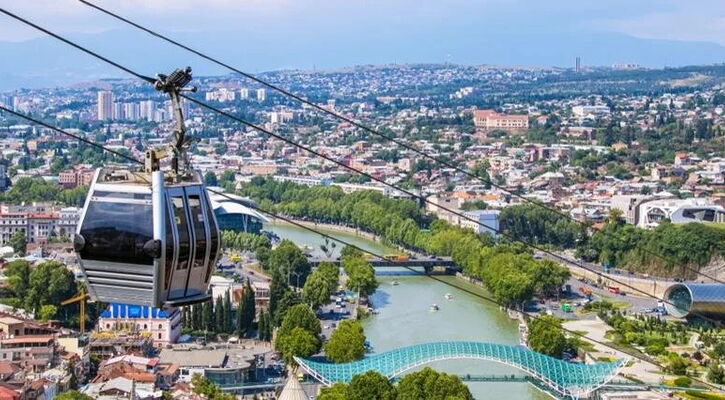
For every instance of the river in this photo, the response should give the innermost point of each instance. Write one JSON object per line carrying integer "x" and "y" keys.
{"x": 404, "y": 318}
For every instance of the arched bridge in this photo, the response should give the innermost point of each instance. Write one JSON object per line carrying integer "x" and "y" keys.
{"x": 564, "y": 378}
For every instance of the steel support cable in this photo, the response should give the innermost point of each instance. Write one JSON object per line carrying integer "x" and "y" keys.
{"x": 368, "y": 129}
{"x": 352, "y": 169}
{"x": 341, "y": 241}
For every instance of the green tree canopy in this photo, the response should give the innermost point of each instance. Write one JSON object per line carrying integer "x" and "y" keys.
{"x": 360, "y": 275}
{"x": 428, "y": 384}
{"x": 546, "y": 336}
{"x": 19, "y": 242}
{"x": 300, "y": 316}
{"x": 347, "y": 343}
{"x": 73, "y": 395}
{"x": 288, "y": 261}
{"x": 320, "y": 285}
{"x": 298, "y": 342}
{"x": 370, "y": 385}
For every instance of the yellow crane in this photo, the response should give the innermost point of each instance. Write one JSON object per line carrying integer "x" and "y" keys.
{"x": 79, "y": 298}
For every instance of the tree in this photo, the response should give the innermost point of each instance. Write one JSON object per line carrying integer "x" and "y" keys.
{"x": 370, "y": 385}
{"x": 219, "y": 315}
{"x": 676, "y": 365}
{"x": 227, "y": 313}
{"x": 47, "y": 312}
{"x": 73, "y": 395}
{"x": 361, "y": 275}
{"x": 210, "y": 179}
{"x": 246, "y": 311}
{"x": 289, "y": 262}
{"x": 715, "y": 373}
{"x": 18, "y": 274}
{"x": 347, "y": 343}
{"x": 297, "y": 343}
{"x": 429, "y": 384}
{"x": 202, "y": 386}
{"x": 207, "y": 316}
{"x": 338, "y": 391}
{"x": 300, "y": 316}
{"x": 19, "y": 242}
{"x": 49, "y": 283}
{"x": 319, "y": 287}
{"x": 262, "y": 326}
{"x": 547, "y": 337}
{"x": 481, "y": 171}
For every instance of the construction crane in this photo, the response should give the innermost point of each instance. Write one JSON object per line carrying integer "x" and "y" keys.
{"x": 79, "y": 298}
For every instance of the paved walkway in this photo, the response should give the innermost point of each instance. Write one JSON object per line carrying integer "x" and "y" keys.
{"x": 596, "y": 329}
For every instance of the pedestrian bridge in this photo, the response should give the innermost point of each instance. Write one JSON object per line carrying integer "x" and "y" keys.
{"x": 564, "y": 378}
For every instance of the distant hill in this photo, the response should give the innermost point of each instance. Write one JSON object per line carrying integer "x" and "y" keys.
{"x": 46, "y": 62}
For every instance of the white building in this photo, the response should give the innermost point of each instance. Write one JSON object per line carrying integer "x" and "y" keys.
{"x": 243, "y": 93}
{"x": 163, "y": 326}
{"x": 261, "y": 94}
{"x": 590, "y": 111}
{"x": 104, "y": 111}
{"x": 488, "y": 221}
{"x": 146, "y": 109}
{"x": 38, "y": 223}
{"x": 677, "y": 211}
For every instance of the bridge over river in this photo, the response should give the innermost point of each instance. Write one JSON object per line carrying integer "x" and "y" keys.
{"x": 569, "y": 380}
{"x": 429, "y": 263}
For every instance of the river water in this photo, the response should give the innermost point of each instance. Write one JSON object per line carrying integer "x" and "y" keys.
{"x": 404, "y": 318}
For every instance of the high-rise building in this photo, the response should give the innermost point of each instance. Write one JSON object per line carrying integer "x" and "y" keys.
{"x": 261, "y": 94}
{"x": 131, "y": 111}
{"x": 105, "y": 106}
{"x": 118, "y": 113}
{"x": 244, "y": 93}
{"x": 146, "y": 110}
{"x": 578, "y": 66}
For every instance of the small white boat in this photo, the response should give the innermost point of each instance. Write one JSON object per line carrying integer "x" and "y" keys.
{"x": 396, "y": 283}
{"x": 434, "y": 307}
{"x": 448, "y": 296}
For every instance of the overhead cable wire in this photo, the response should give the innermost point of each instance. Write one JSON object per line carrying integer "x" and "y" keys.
{"x": 376, "y": 132}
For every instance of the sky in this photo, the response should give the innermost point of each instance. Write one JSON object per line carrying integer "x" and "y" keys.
{"x": 260, "y": 35}
{"x": 694, "y": 20}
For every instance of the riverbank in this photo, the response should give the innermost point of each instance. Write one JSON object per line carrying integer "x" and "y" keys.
{"x": 331, "y": 227}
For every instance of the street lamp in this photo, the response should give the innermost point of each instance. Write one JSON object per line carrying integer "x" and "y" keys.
{"x": 297, "y": 275}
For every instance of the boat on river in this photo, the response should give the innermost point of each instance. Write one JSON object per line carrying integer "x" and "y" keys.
{"x": 396, "y": 283}
{"x": 448, "y": 296}
{"x": 434, "y": 307}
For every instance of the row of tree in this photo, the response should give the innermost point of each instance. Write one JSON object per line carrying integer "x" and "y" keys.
{"x": 28, "y": 190}
{"x": 243, "y": 241}
{"x": 39, "y": 289}
{"x": 668, "y": 250}
{"x": 426, "y": 384}
{"x": 220, "y": 318}
{"x": 514, "y": 281}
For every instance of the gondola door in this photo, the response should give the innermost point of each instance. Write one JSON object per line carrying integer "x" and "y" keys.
{"x": 176, "y": 199}
{"x": 199, "y": 224}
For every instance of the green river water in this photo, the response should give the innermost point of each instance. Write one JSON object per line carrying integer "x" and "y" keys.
{"x": 404, "y": 317}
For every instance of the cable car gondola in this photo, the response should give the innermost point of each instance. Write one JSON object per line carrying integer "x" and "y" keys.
{"x": 150, "y": 237}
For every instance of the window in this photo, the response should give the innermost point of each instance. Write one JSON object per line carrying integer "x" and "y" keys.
{"x": 197, "y": 222}
{"x": 160, "y": 327}
{"x": 117, "y": 232}
{"x": 182, "y": 228}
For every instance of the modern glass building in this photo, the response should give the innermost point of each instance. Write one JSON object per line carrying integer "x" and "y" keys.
{"x": 686, "y": 299}
{"x": 236, "y": 215}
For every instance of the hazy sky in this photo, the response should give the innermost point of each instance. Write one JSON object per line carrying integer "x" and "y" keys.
{"x": 690, "y": 20}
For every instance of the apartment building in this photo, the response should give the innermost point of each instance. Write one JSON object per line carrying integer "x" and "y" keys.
{"x": 489, "y": 120}
{"x": 39, "y": 222}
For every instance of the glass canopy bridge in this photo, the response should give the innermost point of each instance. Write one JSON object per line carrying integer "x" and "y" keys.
{"x": 563, "y": 378}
